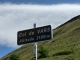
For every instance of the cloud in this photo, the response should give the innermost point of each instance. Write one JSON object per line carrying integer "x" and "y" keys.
{"x": 16, "y": 17}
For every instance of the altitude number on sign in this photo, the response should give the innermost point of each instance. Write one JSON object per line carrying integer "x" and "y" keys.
{"x": 42, "y": 37}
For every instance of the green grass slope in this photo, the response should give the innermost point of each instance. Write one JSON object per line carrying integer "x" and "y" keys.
{"x": 65, "y": 44}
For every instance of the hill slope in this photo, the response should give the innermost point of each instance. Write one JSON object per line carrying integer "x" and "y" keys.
{"x": 64, "y": 46}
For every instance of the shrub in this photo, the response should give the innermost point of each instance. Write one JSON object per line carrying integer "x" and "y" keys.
{"x": 63, "y": 52}
{"x": 14, "y": 57}
{"x": 43, "y": 52}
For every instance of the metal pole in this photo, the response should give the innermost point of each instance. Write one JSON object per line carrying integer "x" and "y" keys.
{"x": 35, "y": 47}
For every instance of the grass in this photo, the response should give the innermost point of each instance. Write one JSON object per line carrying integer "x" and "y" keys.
{"x": 65, "y": 44}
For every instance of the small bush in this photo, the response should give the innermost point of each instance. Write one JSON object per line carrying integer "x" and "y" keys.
{"x": 43, "y": 52}
{"x": 14, "y": 57}
{"x": 63, "y": 52}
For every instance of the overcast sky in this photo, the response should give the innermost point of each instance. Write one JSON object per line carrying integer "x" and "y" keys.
{"x": 16, "y": 17}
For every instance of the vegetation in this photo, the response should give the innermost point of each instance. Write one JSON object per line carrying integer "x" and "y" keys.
{"x": 62, "y": 52}
{"x": 65, "y": 44}
{"x": 14, "y": 57}
{"x": 43, "y": 52}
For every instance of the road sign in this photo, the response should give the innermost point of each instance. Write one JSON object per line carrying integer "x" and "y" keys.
{"x": 34, "y": 35}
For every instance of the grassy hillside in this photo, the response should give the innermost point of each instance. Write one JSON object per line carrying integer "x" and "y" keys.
{"x": 65, "y": 44}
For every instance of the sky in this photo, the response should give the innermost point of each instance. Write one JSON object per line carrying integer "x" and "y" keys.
{"x": 16, "y": 15}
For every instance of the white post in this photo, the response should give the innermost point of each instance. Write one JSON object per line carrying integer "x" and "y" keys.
{"x": 35, "y": 47}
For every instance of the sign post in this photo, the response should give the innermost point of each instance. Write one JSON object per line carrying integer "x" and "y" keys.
{"x": 34, "y": 35}
{"x": 35, "y": 47}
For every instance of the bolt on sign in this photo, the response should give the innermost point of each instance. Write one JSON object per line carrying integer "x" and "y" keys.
{"x": 34, "y": 35}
